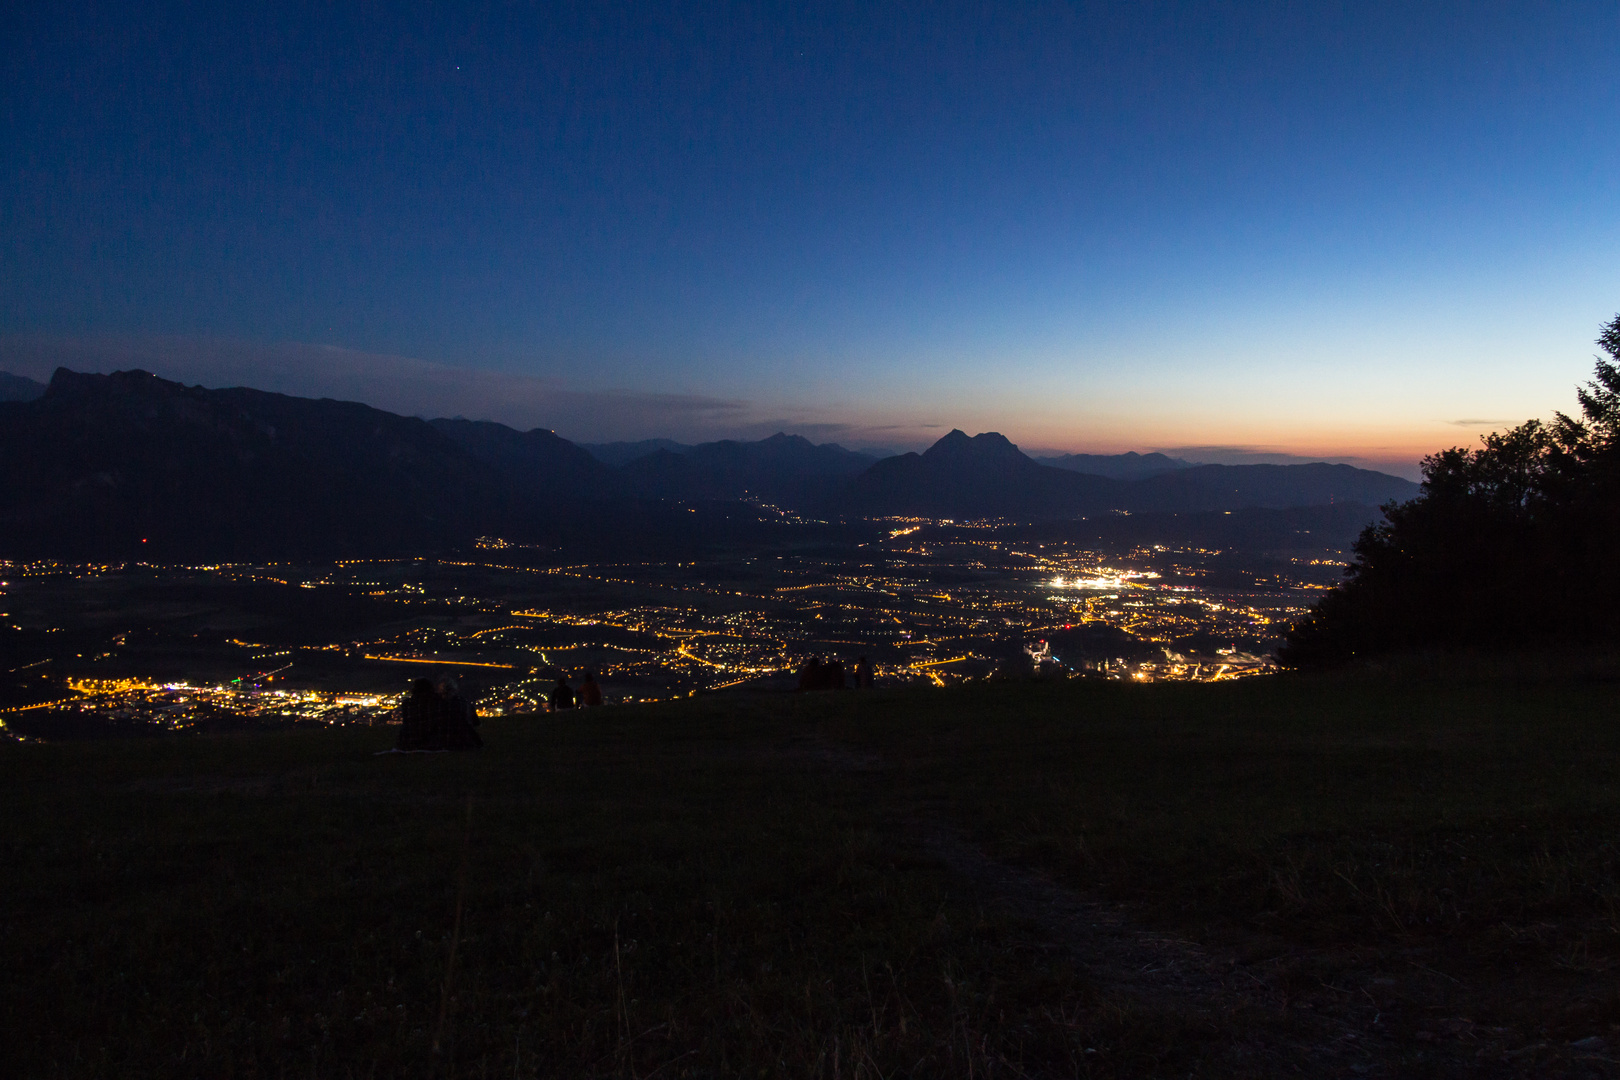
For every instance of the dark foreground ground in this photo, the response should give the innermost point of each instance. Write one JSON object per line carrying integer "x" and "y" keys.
{"x": 1323, "y": 877}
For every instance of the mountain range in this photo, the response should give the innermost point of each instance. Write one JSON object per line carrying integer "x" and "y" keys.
{"x": 119, "y": 465}
{"x": 784, "y": 470}
{"x": 618, "y": 453}
{"x": 127, "y": 464}
{"x": 18, "y": 388}
{"x": 1126, "y": 466}
{"x": 987, "y": 476}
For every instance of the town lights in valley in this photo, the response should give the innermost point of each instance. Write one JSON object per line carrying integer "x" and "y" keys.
{"x": 1105, "y": 581}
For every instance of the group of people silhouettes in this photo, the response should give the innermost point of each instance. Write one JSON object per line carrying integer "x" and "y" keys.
{"x": 587, "y": 695}
{"x": 437, "y": 717}
{"x": 819, "y": 674}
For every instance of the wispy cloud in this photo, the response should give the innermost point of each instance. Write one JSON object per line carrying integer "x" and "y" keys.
{"x": 399, "y": 384}
{"x": 1482, "y": 423}
{"x": 414, "y": 387}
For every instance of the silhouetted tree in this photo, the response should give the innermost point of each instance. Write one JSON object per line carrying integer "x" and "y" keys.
{"x": 1510, "y": 544}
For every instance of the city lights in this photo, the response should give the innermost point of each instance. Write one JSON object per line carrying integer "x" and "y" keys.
{"x": 927, "y": 602}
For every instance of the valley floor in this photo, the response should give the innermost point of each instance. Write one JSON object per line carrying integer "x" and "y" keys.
{"x": 1283, "y": 876}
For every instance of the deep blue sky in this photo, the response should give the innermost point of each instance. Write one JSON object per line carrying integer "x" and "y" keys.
{"x": 1331, "y": 229}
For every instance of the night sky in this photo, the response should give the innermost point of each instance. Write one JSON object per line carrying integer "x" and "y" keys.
{"x": 1356, "y": 231}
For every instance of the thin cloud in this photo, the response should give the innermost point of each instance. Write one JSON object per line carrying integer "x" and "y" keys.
{"x": 399, "y": 384}
{"x": 1480, "y": 423}
{"x": 413, "y": 387}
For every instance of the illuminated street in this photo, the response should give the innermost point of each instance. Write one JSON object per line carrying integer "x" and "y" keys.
{"x": 928, "y": 602}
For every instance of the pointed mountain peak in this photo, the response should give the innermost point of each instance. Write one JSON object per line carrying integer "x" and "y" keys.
{"x": 985, "y": 447}
{"x": 782, "y": 438}
{"x": 956, "y": 444}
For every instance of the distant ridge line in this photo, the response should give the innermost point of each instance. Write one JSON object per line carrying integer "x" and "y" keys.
{"x": 129, "y": 465}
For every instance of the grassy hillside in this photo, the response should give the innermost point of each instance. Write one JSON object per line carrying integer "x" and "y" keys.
{"x": 1342, "y": 876}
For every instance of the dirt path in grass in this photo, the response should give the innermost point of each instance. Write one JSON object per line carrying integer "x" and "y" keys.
{"x": 1255, "y": 1026}
{"x": 1249, "y": 1022}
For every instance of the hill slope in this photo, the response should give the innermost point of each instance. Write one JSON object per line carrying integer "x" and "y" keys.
{"x": 18, "y": 388}
{"x": 748, "y": 880}
{"x": 1127, "y": 466}
{"x": 538, "y": 463}
{"x": 1275, "y": 487}
{"x": 130, "y": 465}
{"x": 787, "y": 470}
{"x": 620, "y": 453}
{"x": 126, "y": 465}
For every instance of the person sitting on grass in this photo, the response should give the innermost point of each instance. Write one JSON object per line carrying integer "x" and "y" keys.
{"x": 419, "y": 717}
{"x": 863, "y": 674}
{"x": 562, "y": 695}
{"x": 590, "y": 692}
{"x": 437, "y": 718}
{"x": 459, "y": 718}
{"x": 819, "y": 674}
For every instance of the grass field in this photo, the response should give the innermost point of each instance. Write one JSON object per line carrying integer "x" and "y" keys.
{"x": 1393, "y": 876}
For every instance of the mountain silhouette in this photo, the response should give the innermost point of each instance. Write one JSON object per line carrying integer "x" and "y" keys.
{"x": 130, "y": 465}
{"x": 982, "y": 476}
{"x": 537, "y": 462}
{"x": 1126, "y": 466}
{"x": 1276, "y": 487}
{"x": 785, "y": 470}
{"x": 619, "y": 453}
{"x": 987, "y": 476}
{"x": 19, "y": 388}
